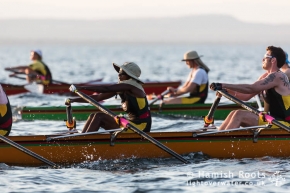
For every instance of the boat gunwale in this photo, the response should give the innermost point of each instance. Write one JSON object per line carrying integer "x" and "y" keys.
{"x": 170, "y": 135}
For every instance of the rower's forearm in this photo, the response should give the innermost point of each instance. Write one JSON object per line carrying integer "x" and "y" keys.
{"x": 241, "y": 88}
{"x": 241, "y": 96}
{"x": 99, "y": 89}
{"x": 81, "y": 100}
{"x": 183, "y": 90}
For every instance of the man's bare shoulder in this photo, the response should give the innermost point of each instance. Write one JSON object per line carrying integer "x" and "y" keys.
{"x": 287, "y": 72}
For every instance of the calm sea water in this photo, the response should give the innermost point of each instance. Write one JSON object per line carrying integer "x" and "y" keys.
{"x": 80, "y": 63}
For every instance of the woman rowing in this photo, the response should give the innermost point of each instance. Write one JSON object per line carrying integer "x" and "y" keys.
{"x": 196, "y": 84}
{"x": 5, "y": 114}
{"x": 133, "y": 99}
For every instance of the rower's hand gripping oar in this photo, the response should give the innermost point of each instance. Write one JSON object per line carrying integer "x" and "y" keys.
{"x": 159, "y": 97}
{"x": 267, "y": 118}
{"x": 209, "y": 118}
{"x": 125, "y": 123}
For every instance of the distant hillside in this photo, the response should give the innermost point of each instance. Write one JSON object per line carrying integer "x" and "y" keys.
{"x": 192, "y": 29}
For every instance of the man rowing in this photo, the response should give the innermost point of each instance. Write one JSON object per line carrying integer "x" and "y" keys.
{"x": 274, "y": 83}
{"x": 133, "y": 99}
{"x": 5, "y": 114}
{"x": 36, "y": 71}
{"x": 196, "y": 84}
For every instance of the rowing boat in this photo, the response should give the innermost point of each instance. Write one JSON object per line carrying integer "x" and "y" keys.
{"x": 156, "y": 87}
{"x": 74, "y": 148}
{"x": 56, "y": 87}
{"x": 82, "y": 112}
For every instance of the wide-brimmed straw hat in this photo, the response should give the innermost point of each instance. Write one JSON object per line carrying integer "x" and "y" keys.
{"x": 193, "y": 55}
{"x": 131, "y": 69}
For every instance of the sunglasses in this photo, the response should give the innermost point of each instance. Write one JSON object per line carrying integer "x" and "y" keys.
{"x": 267, "y": 56}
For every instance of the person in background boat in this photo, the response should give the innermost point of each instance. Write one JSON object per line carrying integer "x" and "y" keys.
{"x": 36, "y": 71}
{"x": 285, "y": 68}
{"x": 274, "y": 83}
{"x": 5, "y": 113}
{"x": 196, "y": 84}
{"x": 133, "y": 99}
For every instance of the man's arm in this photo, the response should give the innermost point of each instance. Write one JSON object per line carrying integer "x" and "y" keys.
{"x": 270, "y": 81}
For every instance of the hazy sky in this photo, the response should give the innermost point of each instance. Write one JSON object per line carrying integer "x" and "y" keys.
{"x": 265, "y": 11}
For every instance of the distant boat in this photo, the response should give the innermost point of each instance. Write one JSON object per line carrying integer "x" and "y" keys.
{"x": 82, "y": 112}
{"x": 156, "y": 87}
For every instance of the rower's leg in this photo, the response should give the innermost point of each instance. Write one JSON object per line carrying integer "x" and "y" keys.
{"x": 172, "y": 101}
{"x": 239, "y": 118}
{"x": 227, "y": 121}
{"x": 97, "y": 120}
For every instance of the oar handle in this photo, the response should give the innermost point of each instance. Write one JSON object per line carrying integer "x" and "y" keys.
{"x": 159, "y": 97}
{"x": 13, "y": 70}
{"x": 268, "y": 118}
{"x": 15, "y": 76}
{"x": 208, "y": 119}
{"x": 127, "y": 124}
{"x": 69, "y": 122}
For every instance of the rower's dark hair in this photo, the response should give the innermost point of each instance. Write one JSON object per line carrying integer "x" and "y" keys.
{"x": 279, "y": 54}
{"x": 40, "y": 58}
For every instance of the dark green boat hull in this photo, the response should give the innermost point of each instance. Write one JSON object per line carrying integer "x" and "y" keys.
{"x": 82, "y": 112}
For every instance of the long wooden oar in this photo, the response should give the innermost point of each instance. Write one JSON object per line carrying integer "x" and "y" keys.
{"x": 23, "y": 78}
{"x": 209, "y": 118}
{"x": 125, "y": 123}
{"x": 268, "y": 118}
{"x": 159, "y": 97}
{"x": 27, "y": 151}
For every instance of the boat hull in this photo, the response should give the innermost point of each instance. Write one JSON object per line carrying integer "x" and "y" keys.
{"x": 63, "y": 88}
{"x": 236, "y": 144}
{"x": 82, "y": 112}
